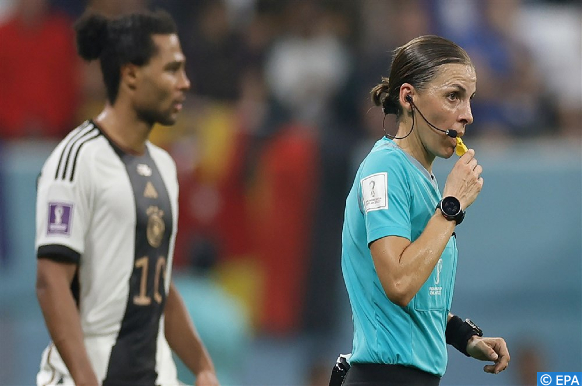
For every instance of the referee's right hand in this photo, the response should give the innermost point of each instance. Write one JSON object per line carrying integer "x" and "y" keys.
{"x": 464, "y": 181}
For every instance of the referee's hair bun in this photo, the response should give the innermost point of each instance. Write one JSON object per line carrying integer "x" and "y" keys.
{"x": 91, "y": 32}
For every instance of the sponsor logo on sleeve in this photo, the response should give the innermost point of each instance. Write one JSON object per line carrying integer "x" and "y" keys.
{"x": 60, "y": 218}
{"x": 375, "y": 191}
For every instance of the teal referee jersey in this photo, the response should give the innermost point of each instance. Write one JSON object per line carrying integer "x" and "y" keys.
{"x": 394, "y": 195}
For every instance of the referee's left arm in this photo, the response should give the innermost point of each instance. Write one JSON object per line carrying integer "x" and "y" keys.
{"x": 468, "y": 339}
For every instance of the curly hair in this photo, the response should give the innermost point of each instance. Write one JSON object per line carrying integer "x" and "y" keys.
{"x": 115, "y": 42}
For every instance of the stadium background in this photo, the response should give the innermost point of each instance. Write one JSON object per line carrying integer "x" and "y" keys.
{"x": 276, "y": 123}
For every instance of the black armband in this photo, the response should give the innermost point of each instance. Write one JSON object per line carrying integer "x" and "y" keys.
{"x": 459, "y": 332}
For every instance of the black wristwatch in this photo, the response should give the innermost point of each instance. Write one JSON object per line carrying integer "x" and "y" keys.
{"x": 450, "y": 207}
{"x": 476, "y": 330}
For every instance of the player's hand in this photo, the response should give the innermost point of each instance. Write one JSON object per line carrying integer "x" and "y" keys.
{"x": 206, "y": 378}
{"x": 464, "y": 181}
{"x": 489, "y": 349}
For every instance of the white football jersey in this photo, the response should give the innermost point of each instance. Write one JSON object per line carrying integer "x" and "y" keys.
{"x": 114, "y": 214}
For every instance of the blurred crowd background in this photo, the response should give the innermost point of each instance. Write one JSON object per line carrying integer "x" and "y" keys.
{"x": 277, "y": 120}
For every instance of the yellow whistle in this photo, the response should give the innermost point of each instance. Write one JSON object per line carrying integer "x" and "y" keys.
{"x": 461, "y": 148}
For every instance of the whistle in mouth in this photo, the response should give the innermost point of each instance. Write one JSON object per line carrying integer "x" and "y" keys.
{"x": 461, "y": 148}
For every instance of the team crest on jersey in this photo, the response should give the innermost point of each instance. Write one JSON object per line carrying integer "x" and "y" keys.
{"x": 156, "y": 226}
{"x": 375, "y": 191}
{"x": 59, "y": 218}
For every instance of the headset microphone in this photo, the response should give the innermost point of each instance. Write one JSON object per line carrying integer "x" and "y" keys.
{"x": 451, "y": 133}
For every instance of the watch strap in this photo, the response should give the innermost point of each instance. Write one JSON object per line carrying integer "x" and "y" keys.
{"x": 459, "y": 331}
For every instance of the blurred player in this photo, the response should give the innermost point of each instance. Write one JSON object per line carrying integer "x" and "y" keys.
{"x": 106, "y": 221}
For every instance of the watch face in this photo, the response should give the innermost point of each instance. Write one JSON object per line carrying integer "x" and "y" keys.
{"x": 451, "y": 206}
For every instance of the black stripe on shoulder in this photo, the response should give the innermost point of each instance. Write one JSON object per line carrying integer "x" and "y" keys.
{"x": 90, "y": 138}
{"x": 58, "y": 252}
{"x": 83, "y": 129}
{"x": 120, "y": 153}
{"x": 93, "y": 132}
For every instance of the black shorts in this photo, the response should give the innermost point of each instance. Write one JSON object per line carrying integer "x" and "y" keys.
{"x": 372, "y": 374}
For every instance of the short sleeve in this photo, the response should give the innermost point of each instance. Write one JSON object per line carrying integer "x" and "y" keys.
{"x": 385, "y": 196}
{"x": 62, "y": 209}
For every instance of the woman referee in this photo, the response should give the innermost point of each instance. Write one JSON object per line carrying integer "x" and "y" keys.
{"x": 399, "y": 252}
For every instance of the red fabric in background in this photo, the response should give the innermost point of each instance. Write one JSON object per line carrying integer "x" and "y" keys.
{"x": 283, "y": 226}
{"x": 229, "y": 228}
{"x": 235, "y": 213}
{"x": 267, "y": 219}
{"x": 38, "y": 78}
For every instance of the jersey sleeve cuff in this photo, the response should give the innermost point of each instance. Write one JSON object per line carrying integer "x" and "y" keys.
{"x": 57, "y": 252}
{"x": 378, "y": 233}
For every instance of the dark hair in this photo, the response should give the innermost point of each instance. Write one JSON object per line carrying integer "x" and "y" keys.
{"x": 126, "y": 39}
{"x": 417, "y": 62}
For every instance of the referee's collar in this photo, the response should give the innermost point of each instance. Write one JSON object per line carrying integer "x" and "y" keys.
{"x": 393, "y": 145}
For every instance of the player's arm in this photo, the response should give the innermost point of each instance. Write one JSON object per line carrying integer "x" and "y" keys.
{"x": 184, "y": 340}
{"x": 53, "y": 290}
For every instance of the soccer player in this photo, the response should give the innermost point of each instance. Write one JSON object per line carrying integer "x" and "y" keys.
{"x": 399, "y": 252}
{"x": 106, "y": 220}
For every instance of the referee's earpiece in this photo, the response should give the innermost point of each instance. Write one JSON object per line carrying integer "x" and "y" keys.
{"x": 408, "y": 98}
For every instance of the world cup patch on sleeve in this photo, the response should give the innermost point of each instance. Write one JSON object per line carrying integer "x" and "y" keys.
{"x": 375, "y": 192}
{"x": 60, "y": 218}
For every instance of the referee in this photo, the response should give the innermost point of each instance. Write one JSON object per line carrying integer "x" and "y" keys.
{"x": 399, "y": 251}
